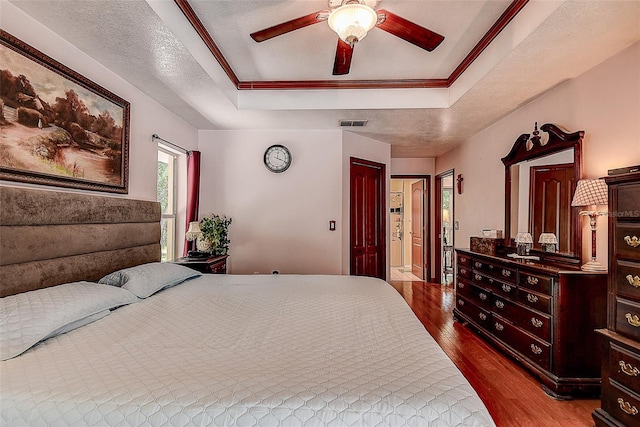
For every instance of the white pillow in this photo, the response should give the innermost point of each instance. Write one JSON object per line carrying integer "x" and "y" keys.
{"x": 146, "y": 279}
{"x": 78, "y": 323}
{"x": 30, "y": 317}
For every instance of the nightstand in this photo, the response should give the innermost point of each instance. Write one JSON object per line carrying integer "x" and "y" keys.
{"x": 212, "y": 265}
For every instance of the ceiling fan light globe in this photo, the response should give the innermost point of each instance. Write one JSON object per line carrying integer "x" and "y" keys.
{"x": 352, "y": 21}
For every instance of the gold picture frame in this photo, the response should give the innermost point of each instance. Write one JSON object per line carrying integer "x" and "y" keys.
{"x": 56, "y": 126}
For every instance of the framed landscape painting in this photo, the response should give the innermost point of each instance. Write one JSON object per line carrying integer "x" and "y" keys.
{"x": 57, "y": 127}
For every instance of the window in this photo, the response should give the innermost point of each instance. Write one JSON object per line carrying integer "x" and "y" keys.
{"x": 167, "y": 199}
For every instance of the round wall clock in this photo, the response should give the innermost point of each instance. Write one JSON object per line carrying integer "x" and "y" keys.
{"x": 277, "y": 158}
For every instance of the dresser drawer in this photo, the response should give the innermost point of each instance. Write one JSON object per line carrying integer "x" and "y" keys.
{"x": 481, "y": 296}
{"x": 495, "y": 270}
{"x": 627, "y": 279}
{"x": 534, "y": 349}
{"x": 463, "y": 287}
{"x": 627, "y": 241}
{"x": 508, "y": 290}
{"x": 628, "y": 318}
{"x": 535, "y": 300}
{"x": 624, "y": 367}
{"x": 535, "y": 282}
{"x": 621, "y": 403}
{"x": 464, "y": 271}
{"x": 629, "y": 201}
{"x": 476, "y": 314}
{"x": 464, "y": 260}
{"x": 537, "y": 323}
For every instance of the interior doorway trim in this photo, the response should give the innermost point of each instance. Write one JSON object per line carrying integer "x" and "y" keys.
{"x": 439, "y": 223}
{"x": 426, "y": 244}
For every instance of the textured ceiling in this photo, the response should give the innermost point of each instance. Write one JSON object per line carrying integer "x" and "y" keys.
{"x": 152, "y": 45}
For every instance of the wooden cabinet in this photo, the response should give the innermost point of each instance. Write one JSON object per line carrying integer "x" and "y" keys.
{"x": 620, "y": 404}
{"x": 212, "y": 265}
{"x": 543, "y": 316}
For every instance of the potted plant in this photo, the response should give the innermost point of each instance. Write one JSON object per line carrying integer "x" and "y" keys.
{"x": 215, "y": 232}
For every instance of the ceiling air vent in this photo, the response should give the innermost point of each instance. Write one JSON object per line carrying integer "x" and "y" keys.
{"x": 353, "y": 123}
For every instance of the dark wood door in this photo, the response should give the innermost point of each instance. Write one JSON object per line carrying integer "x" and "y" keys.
{"x": 368, "y": 219}
{"x": 550, "y": 210}
{"x": 417, "y": 229}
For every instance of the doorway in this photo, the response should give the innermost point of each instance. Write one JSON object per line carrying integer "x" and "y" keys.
{"x": 445, "y": 226}
{"x": 409, "y": 239}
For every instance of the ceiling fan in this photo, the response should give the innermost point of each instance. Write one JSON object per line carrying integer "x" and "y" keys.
{"x": 351, "y": 20}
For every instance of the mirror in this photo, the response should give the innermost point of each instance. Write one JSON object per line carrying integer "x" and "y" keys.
{"x": 541, "y": 172}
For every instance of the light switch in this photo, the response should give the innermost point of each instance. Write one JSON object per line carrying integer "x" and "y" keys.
{"x": 332, "y": 225}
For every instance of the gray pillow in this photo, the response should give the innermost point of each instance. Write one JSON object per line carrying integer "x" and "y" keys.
{"x": 30, "y": 317}
{"x": 146, "y": 279}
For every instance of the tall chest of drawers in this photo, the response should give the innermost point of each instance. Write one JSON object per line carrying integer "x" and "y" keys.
{"x": 620, "y": 404}
{"x": 543, "y": 316}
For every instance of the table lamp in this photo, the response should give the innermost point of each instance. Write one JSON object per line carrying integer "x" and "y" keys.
{"x": 591, "y": 192}
{"x": 193, "y": 232}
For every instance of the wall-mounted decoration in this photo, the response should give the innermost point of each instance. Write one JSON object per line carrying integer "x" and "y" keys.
{"x": 459, "y": 180}
{"x": 58, "y": 127}
{"x": 277, "y": 158}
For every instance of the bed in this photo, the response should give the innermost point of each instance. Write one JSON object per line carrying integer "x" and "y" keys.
{"x": 175, "y": 347}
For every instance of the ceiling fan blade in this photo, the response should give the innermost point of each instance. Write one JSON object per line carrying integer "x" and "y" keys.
{"x": 294, "y": 24}
{"x": 407, "y": 30}
{"x": 342, "y": 62}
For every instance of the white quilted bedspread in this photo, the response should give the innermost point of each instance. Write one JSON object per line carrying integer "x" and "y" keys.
{"x": 230, "y": 350}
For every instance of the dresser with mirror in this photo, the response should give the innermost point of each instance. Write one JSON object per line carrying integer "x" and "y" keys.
{"x": 539, "y": 308}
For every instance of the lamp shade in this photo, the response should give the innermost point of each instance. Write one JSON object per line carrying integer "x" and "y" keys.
{"x": 548, "y": 238}
{"x": 193, "y": 232}
{"x": 590, "y": 192}
{"x": 524, "y": 238}
{"x": 352, "y": 21}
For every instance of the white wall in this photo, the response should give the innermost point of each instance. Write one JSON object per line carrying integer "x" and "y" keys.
{"x": 280, "y": 220}
{"x": 604, "y": 102}
{"x": 147, "y": 116}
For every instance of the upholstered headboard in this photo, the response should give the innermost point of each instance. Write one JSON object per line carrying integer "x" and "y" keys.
{"x": 48, "y": 237}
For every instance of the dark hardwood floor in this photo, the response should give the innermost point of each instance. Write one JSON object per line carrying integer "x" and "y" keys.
{"x": 512, "y": 395}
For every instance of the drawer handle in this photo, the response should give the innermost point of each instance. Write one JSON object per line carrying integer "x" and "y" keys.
{"x": 634, "y": 281}
{"x": 535, "y": 349}
{"x": 633, "y": 320}
{"x": 478, "y": 264}
{"x": 634, "y": 242}
{"x": 460, "y": 302}
{"x": 506, "y": 273}
{"x": 463, "y": 271}
{"x": 536, "y": 322}
{"x": 499, "y": 304}
{"x": 482, "y": 316}
{"x": 460, "y": 285}
{"x": 490, "y": 267}
{"x": 506, "y": 288}
{"x": 628, "y": 369}
{"x": 627, "y": 407}
{"x": 463, "y": 259}
{"x": 499, "y": 326}
{"x": 483, "y": 296}
{"x": 532, "y": 298}
{"x": 478, "y": 277}
{"x": 491, "y": 280}
{"x": 532, "y": 280}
